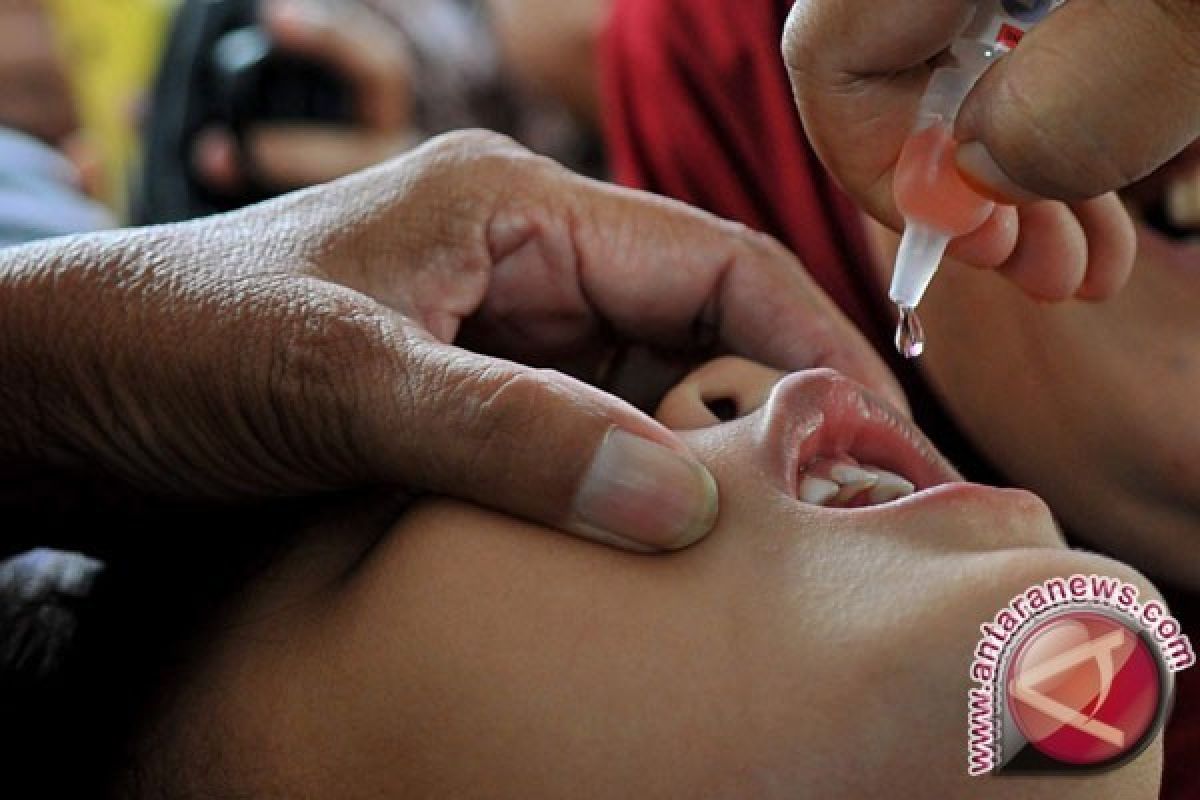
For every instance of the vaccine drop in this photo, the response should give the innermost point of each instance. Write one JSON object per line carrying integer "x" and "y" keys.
{"x": 910, "y": 336}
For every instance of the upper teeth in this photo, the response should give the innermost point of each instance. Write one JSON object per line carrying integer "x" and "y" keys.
{"x": 818, "y": 491}
{"x": 854, "y": 477}
{"x": 842, "y": 485}
{"x": 890, "y": 487}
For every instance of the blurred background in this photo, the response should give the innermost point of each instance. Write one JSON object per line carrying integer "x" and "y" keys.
{"x": 171, "y": 109}
{"x": 110, "y": 51}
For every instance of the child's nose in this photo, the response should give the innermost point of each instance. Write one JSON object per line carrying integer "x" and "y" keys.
{"x": 719, "y": 391}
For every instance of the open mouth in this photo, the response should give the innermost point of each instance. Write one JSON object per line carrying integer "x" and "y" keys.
{"x": 840, "y": 447}
{"x": 1167, "y": 202}
{"x": 843, "y": 482}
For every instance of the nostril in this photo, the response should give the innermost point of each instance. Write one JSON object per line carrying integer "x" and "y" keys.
{"x": 720, "y": 391}
{"x": 723, "y": 408}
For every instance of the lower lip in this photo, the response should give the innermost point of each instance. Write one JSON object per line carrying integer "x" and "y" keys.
{"x": 1017, "y": 501}
{"x": 1154, "y": 246}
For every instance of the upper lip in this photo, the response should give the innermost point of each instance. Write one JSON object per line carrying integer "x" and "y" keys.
{"x": 821, "y": 413}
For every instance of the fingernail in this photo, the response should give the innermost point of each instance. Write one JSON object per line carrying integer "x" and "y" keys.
{"x": 639, "y": 492}
{"x": 983, "y": 174}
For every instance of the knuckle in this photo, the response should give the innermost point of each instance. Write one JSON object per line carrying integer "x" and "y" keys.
{"x": 511, "y": 427}
{"x": 493, "y": 163}
{"x": 742, "y": 239}
{"x": 795, "y": 43}
{"x": 510, "y": 407}
{"x": 475, "y": 145}
{"x": 766, "y": 244}
{"x": 769, "y": 255}
{"x": 512, "y": 401}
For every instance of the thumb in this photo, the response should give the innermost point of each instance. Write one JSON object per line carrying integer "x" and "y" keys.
{"x": 544, "y": 446}
{"x": 1096, "y": 97}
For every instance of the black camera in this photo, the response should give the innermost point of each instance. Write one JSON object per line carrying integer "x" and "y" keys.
{"x": 220, "y": 68}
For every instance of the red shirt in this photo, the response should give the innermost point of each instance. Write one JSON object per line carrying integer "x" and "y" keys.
{"x": 697, "y": 106}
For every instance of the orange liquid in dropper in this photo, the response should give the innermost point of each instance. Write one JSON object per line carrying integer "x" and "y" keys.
{"x": 929, "y": 189}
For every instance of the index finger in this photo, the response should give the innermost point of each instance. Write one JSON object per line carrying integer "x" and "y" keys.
{"x": 656, "y": 270}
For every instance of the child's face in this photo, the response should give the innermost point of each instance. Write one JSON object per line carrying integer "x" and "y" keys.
{"x": 798, "y": 650}
{"x": 1094, "y": 407}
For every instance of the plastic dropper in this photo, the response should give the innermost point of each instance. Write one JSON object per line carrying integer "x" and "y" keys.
{"x": 936, "y": 202}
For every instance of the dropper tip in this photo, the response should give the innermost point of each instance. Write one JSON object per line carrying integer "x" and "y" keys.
{"x": 910, "y": 334}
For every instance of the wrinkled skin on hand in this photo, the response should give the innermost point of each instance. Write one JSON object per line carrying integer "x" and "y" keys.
{"x": 305, "y": 345}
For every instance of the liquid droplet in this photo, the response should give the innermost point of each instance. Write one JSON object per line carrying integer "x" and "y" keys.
{"x": 910, "y": 336}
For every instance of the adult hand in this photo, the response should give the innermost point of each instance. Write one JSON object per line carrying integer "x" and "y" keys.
{"x": 306, "y": 343}
{"x": 363, "y": 47}
{"x": 1095, "y": 97}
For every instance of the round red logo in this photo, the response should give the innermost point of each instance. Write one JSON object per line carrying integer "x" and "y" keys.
{"x": 1084, "y": 688}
